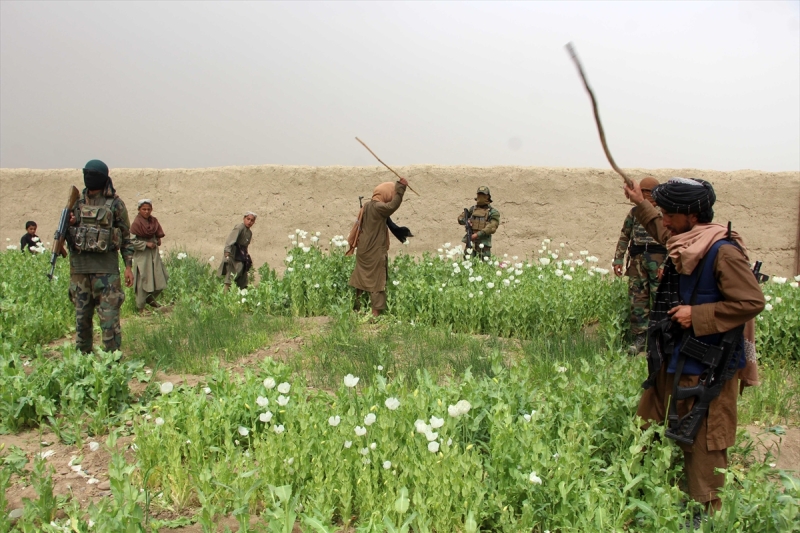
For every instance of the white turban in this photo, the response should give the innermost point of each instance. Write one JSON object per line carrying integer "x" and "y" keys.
{"x": 250, "y": 214}
{"x": 144, "y": 201}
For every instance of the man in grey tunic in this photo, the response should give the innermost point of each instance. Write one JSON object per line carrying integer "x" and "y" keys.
{"x": 237, "y": 262}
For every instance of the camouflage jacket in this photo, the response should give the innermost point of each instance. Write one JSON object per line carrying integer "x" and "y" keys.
{"x": 491, "y": 224}
{"x": 108, "y": 262}
{"x": 632, "y": 233}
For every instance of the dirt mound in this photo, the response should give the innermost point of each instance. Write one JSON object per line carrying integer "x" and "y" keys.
{"x": 583, "y": 208}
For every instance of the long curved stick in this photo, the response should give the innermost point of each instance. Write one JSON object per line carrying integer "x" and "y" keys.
{"x": 574, "y": 55}
{"x": 384, "y": 164}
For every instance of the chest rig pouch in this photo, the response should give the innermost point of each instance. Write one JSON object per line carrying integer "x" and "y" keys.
{"x": 95, "y": 232}
{"x": 479, "y": 218}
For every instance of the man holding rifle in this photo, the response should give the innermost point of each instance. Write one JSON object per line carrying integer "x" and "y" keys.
{"x": 99, "y": 230}
{"x": 484, "y": 220}
{"x": 701, "y": 334}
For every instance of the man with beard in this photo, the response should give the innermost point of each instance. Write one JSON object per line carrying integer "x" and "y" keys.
{"x": 99, "y": 231}
{"x": 701, "y": 333}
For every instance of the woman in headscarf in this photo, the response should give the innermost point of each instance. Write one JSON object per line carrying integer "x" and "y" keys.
{"x": 149, "y": 275}
{"x": 370, "y": 237}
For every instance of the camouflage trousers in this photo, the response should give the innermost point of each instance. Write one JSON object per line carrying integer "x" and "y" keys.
{"x": 102, "y": 292}
{"x": 479, "y": 253}
{"x": 642, "y": 286}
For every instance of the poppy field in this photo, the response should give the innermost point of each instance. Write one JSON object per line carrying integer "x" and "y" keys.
{"x": 492, "y": 396}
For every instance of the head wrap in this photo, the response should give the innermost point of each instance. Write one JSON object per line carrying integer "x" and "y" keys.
{"x": 144, "y": 201}
{"x": 483, "y": 189}
{"x": 382, "y": 193}
{"x": 685, "y": 196}
{"x": 95, "y": 175}
{"x": 250, "y": 214}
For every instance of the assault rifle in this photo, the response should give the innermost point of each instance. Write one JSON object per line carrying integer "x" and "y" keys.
{"x": 469, "y": 248}
{"x": 61, "y": 231}
{"x": 760, "y": 278}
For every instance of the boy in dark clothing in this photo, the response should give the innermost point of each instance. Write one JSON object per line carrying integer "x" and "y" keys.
{"x": 30, "y": 240}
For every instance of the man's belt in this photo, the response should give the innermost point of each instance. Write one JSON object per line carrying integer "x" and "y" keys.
{"x": 652, "y": 248}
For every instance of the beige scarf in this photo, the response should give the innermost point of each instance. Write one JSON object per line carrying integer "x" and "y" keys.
{"x": 382, "y": 193}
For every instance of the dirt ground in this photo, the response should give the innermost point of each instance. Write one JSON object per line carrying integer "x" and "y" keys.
{"x": 583, "y": 208}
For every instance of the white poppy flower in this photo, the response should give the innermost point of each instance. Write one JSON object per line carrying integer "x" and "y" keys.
{"x": 364, "y": 451}
{"x": 794, "y": 284}
{"x": 289, "y": 258}
{"x": 265, "y": 417}
{"x": 207, "y": 390}
{"x": 284, "y": 388}
{"x": 481, "y": 245}
{"x": 535, "y": 479}
{"x": 567, "y": 277}
{"x": 262, "y": 401}
{"x": 584, "y": 252}
{"x": 395, "y": 283}
{"x": 278, "y": 429}
{"x": 544, "y": 260}
{"x": 430, "y": 435}
{"x": 392, "y": 404}
{"x": 561, "y": 369}
{"x": 350, "y": 381}
{"x": 463, "y": 406}
{"x": 767, "y": 297}
{"x": 556, "y": 455}
{"x": 94, "y": 446}
{"x": 380, "y": 368}
{"x": 433, "y": 447}
{"x": 348, "y": 443}
{"x": 768, "y": 307}
{"x": 369, "y": 419}
{"x": 167, "y": 387}
{"x": 334, "y": 420}
{"x": 283, "y": 400}
{"x": 471, "y": 295}
{"x": 436, "y": 423}
{"x": 446, "y": 245}
{"x": 269, "y": 383}
{"x": 527, "y": 417}
{"x": 211, "y": 259}
{"x": 159, "y": 421}
{"x": 387, "y": 465}
{"x": 244, "y": 300}
{"x": 779, "y": 281}
{"x": 243, "y": 431}
{"x": 506, "y": 282}
{"x": 360, "y": 431}
{"x": 778, "y": 299}
{"x": 373, "y": 446}
{"x": 420, "y": 426}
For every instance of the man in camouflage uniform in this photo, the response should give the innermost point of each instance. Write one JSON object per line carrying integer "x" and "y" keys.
{"x": 99, "y": 231}
{"x": 485, "y": 220}
{"x": 645, "y": 257}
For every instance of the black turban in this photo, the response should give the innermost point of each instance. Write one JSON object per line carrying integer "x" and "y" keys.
{"x": 95, "y": 175}
{"x": 685, "y": 195}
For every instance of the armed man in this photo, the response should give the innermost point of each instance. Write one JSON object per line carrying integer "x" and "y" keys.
{"x": 483, "y": 220}
{"x": 701, "y": 333}
{"x": 645, "y": 257}
{"x": 99, "y": 231}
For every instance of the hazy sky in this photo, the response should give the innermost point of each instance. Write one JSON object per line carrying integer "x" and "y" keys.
{"x": 711, "y": 85}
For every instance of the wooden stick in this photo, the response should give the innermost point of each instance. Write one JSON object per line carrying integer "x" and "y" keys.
{"x": 384, "y": 164}
{"x": 574, "y": 55}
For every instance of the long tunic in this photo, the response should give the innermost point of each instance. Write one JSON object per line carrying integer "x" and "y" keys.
{"x": 149, "y": 274}
{"x": 743, "y": 301}
{"x": 373, "y": 243}
{"x": 239, "y": 237}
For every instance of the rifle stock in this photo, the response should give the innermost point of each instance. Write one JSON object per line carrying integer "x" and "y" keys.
{"x": 61, "y": 230}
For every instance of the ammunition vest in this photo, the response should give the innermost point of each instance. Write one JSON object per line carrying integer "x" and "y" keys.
{"x": 95, "y": 232}
{"x": 480, "y": 217}
{"x": 702, "y": 285}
